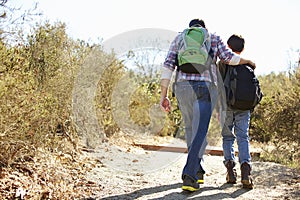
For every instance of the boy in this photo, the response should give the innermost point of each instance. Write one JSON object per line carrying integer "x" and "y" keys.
{"x": 236, "y": 126}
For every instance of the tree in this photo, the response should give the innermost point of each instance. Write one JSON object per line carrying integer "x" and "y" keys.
{"x": 293, "y": 60}
{"x": 13, "y": 21}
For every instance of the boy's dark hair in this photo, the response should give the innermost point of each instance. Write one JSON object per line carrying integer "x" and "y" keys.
{"x": 197, "y": 23}
{"x": 236, "y": 43}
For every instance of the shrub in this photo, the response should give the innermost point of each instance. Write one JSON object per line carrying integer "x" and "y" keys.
{"x": 36, "y": 81}
{"x": 277, "y": 120}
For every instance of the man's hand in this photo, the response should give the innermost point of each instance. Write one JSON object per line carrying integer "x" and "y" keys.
{"x": 252, "y": 64}
{"x": 165, "y": 104}
{"x": 247, "y": 62}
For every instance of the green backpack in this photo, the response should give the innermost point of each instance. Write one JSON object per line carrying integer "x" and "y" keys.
{"x": 193, "y": 55}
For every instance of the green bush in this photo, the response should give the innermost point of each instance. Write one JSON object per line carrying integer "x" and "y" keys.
{"x": 103, "y": 101}
{"x": 36, "y": 81}
{"x": 277, "y": 120}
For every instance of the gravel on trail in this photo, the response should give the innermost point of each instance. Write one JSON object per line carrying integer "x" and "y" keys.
{"x": 130, "y": 172}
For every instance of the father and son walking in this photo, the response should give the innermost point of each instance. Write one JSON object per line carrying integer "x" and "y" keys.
{"x": 197, "y": 94}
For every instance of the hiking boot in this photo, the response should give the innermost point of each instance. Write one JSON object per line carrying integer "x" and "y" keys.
{"x": 190, "y": 184}
{"x": 200, "y": 175}
{"x": 231, "y": 172}
{"x": 246, "y": 178}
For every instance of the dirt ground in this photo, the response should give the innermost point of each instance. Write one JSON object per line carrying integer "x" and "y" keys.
{"x": 129, "y": 172}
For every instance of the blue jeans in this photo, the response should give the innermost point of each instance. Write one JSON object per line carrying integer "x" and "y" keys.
{"x": 195, "y": 104}
{"x": 236, "y": 126}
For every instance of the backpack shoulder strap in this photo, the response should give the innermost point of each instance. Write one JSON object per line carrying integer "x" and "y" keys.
{"x": 233, "y": 82}
{"x": 229, "y": 84}
{"x": 183, "y": 35}
{"x": 207, "y": 43}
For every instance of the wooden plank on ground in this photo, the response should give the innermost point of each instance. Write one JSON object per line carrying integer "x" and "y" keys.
{"x": 162, "y": 148}
{"x": 216, "y": 151}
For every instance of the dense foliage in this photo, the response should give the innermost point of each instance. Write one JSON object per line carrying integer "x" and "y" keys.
{"x": 277, "y": 120}
{"x": 38, "y": 134}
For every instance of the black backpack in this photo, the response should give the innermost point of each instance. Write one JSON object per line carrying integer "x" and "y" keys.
{"x": 242, "y": 87}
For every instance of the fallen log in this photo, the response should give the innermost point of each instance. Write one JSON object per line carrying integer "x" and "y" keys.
{"x": 210, "y": 150}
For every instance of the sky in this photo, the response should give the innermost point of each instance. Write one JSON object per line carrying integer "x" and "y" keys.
{"x": 269, "y": 27}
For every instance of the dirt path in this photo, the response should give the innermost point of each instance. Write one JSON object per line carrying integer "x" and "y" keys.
{"x": 128, "y": 172}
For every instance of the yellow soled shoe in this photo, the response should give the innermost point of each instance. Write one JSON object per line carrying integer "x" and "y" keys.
{"x": 200, "y": 177}
{"x": 190, "y": 184}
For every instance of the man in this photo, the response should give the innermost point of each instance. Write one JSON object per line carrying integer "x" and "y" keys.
{"x": 196, "y": 94}
{"x": 236, "y": 126}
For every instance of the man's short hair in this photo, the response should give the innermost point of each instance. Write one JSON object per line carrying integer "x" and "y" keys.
{"x": 197, "y": 23}
{"x": 236, "y": 43}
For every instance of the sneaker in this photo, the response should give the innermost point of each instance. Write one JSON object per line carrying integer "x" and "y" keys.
{"x": 246, "y": 178}
{"x": 190, "y": 184}
{"x": 231, "y": 172}
{"x": 200, "y": 175}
